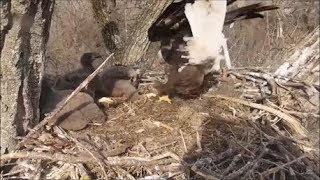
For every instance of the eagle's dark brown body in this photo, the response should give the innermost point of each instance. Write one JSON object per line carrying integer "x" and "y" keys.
{"x": 186, "y": 83}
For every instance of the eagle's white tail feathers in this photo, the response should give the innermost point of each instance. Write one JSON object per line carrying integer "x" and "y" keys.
{"x": 206, "y": 19}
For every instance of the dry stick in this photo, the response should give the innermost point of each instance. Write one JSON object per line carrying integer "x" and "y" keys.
{"x": 86, "y": 158}
{"x": 271, "y": 81}
{"x": 198, "y": 140}
{"x": 183, "y": 141}
{"x": 162, "y": 146}
{"x": 122, "y": 171}
{"x": 233, "y": 163}
{"x": 304, "y": 114}
{"x": 205, "y": 173}
{"x": 82, "y": 170}
{"x": 240, "y": 171}
{"x": 226, "y": 54}
{"x": 91, "y": 151}
{"x": 52, "y": 115}
{"x": 291, "y": 122}
{"x": 46, "y": 156}
{"x": 275, "y": 169}
{"x": 158, "y": 123}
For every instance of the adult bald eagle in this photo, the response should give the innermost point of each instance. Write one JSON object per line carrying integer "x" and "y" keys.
{"x": 190, "y": 33}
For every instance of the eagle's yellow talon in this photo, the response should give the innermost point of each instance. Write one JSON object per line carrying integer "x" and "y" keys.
{"x": 165, "y": 98}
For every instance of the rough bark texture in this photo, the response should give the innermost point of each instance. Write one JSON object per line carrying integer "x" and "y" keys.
{"x": 137, "y": 45}
{"x": 129, "y": 20}
{"x": 24, "y": 32}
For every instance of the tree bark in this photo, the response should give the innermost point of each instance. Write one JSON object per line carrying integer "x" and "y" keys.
{"x": 24, "y": 32}
{"x": 135, "y": 41}
{"x": 138, "y": 44}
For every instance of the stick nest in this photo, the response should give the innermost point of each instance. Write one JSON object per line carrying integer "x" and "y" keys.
{"x": 252, "y": 125}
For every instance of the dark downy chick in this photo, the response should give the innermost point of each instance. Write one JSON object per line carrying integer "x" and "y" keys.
{"x": 73, "y": 79}
{"x": 115, "y": 81}
{"x": 76, "y": 115}
{"x": 118, "y": 81}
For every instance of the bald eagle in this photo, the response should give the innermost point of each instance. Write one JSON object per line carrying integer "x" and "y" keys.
{"x": 190, "y": 33}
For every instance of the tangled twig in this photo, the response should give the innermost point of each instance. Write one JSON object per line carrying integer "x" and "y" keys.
{"x": 290, "y": 121}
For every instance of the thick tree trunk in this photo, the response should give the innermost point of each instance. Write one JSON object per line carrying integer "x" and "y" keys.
{"x": 137, "y": 45}
{"x": 24, "y": 32}
{"x": 132, "y": 20}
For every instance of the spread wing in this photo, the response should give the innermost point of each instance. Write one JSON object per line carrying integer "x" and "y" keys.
{"x": 173, "y": 19}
